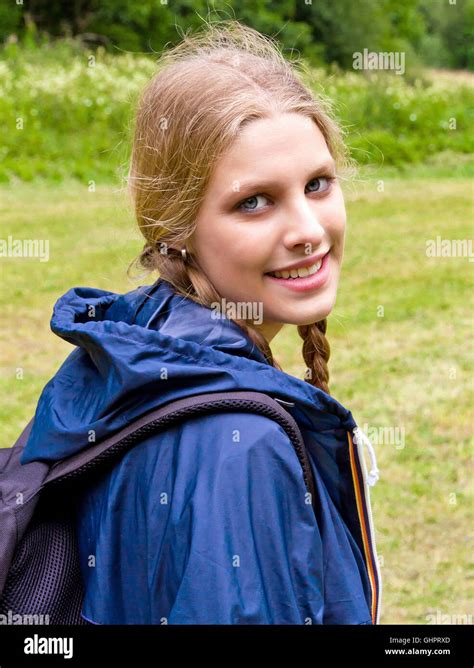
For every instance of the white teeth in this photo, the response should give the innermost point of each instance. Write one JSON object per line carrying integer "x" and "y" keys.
{"x": 298, "y": 273}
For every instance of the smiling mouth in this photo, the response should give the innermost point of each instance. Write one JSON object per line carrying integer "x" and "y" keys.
{"x": 302, "y": 272}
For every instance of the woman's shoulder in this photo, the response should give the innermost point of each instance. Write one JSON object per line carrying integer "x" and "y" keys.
{"x": 227, "y": 435}
{"x": 205, "y": 467}
{"x": 212, "y": 440}
{"x": 213, "y": 451}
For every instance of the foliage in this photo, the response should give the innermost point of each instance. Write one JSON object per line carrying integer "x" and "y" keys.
{"x": 66, "y": 111}
{"x": 435, "y": 32}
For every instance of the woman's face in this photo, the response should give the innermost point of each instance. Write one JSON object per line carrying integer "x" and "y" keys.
{"x": 273, "y": 201}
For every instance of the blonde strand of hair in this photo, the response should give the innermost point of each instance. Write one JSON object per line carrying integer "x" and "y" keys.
{"x": 316, "y": 352}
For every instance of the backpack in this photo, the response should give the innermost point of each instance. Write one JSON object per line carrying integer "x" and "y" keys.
{"x": 39, "y": 558}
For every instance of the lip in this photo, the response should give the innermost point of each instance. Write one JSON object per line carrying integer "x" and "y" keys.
{"x": 308, "y": 262}
{"x": 308, "y": 282}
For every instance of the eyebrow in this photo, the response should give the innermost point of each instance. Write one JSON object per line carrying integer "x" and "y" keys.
{"x": 246, "y": 186}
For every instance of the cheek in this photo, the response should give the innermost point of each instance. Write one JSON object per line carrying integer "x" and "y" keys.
{"x": 335, "y": 217}
{"x": 235, "y": 247}
{"x": 210, "y": 243}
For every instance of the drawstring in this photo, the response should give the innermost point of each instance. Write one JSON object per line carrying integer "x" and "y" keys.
{"x": 364, "y": 439}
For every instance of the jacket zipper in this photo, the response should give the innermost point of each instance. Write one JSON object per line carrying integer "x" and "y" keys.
{"x": 364, "y": 510}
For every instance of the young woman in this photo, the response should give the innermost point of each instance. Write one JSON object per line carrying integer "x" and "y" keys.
{"x": 234, "y": 179}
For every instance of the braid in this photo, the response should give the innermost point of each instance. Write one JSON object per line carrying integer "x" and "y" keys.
{"x": 316, "y": 352}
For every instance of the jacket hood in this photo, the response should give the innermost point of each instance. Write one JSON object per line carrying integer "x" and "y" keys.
{"x": 137, "y": 351}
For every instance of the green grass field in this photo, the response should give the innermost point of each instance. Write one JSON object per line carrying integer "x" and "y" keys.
{"x": 401, "y": 336}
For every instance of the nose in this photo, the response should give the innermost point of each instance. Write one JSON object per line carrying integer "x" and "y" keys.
{"x": 303, "y": 225}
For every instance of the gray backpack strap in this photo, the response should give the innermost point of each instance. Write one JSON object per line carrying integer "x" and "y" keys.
{"x": 175, "y": 411}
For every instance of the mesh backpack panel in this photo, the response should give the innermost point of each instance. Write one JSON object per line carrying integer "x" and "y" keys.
{"x": 44, "y": 578}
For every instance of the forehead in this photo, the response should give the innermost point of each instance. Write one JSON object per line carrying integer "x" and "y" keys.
{"x": 272, "y": 147}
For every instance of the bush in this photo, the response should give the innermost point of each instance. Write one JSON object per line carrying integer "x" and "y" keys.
{"x": 65, "y": 111}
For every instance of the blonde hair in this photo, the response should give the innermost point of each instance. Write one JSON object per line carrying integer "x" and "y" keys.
{"x": 206, "y": 88}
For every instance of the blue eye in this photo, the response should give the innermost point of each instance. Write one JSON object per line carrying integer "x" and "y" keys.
{"x": 250, "y": 199}
{"x": 322, "y": 184}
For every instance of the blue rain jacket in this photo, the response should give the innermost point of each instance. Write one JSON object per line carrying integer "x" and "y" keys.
{"x": 205, "y": 522}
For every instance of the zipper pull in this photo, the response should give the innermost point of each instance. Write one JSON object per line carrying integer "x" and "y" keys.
{"x": 361, "y": 437}
{"x": 284, "y": 403}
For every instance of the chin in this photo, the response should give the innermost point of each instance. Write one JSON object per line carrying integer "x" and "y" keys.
{"x": 321, "y": 309}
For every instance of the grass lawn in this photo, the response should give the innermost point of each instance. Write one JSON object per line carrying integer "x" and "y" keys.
{"x": 401, "y": 336}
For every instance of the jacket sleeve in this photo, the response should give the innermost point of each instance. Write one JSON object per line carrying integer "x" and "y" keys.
{"x": 253, "y": 548}
{"x": 208, "y": 522}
